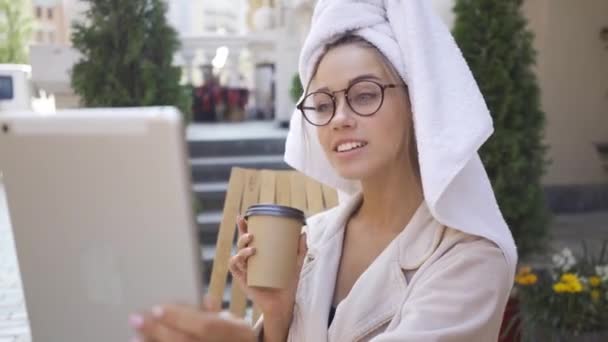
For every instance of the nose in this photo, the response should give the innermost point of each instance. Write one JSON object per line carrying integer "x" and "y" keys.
{"x": 344, "y": 116}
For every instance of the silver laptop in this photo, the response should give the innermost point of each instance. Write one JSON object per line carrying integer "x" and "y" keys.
{"x": 100, "y": 205}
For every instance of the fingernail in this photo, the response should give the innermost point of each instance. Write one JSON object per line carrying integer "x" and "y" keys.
{"x": 136, "y": 321}
{"x": 158, "y": 311}
{"x": 136, "y": 339}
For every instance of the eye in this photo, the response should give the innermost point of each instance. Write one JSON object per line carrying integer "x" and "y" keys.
{"x": 366, "y": 98}
{"x": 323, "y": 107}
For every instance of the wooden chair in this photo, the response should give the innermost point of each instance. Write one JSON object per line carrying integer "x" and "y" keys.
{"x": 247, "y": 187}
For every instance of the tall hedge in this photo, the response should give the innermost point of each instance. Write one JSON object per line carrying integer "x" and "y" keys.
{"x": 496, "y": 42}
{"x": 127, "y": 52}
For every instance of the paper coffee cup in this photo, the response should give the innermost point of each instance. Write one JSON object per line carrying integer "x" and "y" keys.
{"x": 276, "y": 235}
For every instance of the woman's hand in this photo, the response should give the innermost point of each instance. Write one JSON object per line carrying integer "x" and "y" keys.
{"x": 275, "y": 304}
{"x": 181, "y": 323}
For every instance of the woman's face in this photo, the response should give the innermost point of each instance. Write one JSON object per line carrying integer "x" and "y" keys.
{"x": 363, "y": 147}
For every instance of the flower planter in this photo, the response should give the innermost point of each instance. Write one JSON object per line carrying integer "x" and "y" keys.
{"x": 564, "y": 298}
{"x": 509, "y": 329}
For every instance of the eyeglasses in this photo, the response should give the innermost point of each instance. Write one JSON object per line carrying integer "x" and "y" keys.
{"x": 364, "y": 98}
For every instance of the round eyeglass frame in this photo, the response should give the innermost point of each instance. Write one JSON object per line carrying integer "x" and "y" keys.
{"x": 332, "y": 95}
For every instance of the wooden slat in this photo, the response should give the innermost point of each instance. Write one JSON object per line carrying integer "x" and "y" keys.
{"x": 283, "y": 187}
{"x": 267, "y": 187}
{"x": 247, "y": 187}
{"x": 298, "y": 191}
{"x": 238, "y": 302}
{"x": 330, "y": 195}
{"x": 314, "y": 196}
{"x": 226, "y": 233}
{"x": 251, "y": 193}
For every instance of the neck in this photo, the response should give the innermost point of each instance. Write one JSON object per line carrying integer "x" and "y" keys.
{"x": 390, "y": 199}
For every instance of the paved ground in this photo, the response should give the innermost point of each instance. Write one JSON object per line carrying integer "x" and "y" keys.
{"x": 566, "y": 231}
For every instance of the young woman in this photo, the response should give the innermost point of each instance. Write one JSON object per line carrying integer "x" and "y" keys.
{"x": 417, "y": 250}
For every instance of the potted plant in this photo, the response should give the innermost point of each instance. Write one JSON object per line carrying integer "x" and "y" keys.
{"x": 567, "y": 301}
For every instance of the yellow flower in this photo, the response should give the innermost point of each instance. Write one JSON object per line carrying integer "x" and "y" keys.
{"x": 525, "y": 270}
{"x": 595, "y": 281}
{"x": 595, "y": 295}
{"x": 525, "y": 276}
{"x": 569, "y": 283}
{"x": 560, "y": 287}
{"x": 569, "y": 278}
{"x": 532, "y": 279}
{"x": 526, "y": 279}
{"x": 575, "y": 287}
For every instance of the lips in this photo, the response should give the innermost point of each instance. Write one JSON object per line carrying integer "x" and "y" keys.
{"x": 348, "y": 145}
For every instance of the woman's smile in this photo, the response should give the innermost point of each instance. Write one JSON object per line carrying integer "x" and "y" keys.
{"x": 349, "y": 149}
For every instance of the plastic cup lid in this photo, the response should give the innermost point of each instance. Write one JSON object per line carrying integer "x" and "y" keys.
{"x": 274, "y": 210}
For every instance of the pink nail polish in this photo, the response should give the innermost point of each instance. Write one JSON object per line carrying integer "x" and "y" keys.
{"x": 136, "y": 339}
{"x": 136, "y": 321}
{"x": 158, "y": 311}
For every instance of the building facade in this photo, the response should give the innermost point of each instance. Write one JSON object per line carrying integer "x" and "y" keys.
{"x": 50, "y": 22}
{"x": 572, "y": 67}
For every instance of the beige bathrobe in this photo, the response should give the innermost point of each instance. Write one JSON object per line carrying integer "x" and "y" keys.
{"x": 431, "y": 283}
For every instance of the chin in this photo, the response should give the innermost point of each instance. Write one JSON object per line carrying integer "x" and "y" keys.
{"x": 354, "y": 171}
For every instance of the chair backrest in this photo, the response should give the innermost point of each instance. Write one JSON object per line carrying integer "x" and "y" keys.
{"x": 252, "y": 186}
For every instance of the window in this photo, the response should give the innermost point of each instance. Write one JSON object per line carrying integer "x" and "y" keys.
{"x": 6, "y": 88}
{"x": 38, "y": 12}
{"x": 39, "y": 36}
{"x": 49, "y": 13}
{"x": 51, "y": 37}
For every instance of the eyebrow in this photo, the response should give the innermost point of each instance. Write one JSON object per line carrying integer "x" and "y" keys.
{"x": 354, "y": 80}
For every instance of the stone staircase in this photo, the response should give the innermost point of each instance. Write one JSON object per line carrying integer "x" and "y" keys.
{"x": 211, "y": 162}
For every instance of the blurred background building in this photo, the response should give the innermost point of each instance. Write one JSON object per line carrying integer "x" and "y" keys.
{"x": 572, "y": 66}
{"x": 51, "y": 26}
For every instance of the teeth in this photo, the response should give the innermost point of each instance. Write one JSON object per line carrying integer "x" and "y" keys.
{"x": 349, "y": 146}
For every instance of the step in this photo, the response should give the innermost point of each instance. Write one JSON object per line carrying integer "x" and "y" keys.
{"x": 208, "y": 226}
{"x": 211, "y": 195}
{"x": 217, "y": 169}
{"x": 577, "y": 198}
{"x": 207, "y": 256}
{"x": 221, "y": 148}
